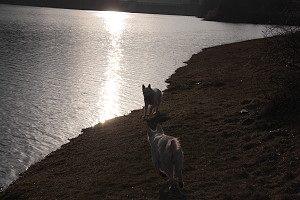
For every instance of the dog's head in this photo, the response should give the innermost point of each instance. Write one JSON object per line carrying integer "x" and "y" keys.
{"x": 146, "y": 91}
{"x": 158, "y": 130}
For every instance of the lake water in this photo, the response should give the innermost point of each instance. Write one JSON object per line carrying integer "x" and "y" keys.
{"x": 64, "y": 70}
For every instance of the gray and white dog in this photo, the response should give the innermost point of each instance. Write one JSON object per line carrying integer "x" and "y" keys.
{"x": 152, "y": 98}
{"x": 167, "y": 155}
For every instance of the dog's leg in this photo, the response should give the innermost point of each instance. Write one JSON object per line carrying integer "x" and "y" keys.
{"x": 178, "y": 164}
{"x": 156, "y": 109}
{"x": 145, "y": 110}
{"x": 159, "y": 172}
{"x": 151, "y": 109}
{"x": 157, "y": 168}
{"x": 170, "y": 174}
{"x": 178, "y": 173}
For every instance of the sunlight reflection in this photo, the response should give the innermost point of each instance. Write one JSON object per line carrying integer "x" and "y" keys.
{"x": 109, "y": 101}
{"x": 114, "y": 21}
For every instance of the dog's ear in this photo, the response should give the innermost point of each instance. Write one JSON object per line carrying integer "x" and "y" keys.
{"x": 143, "y": 87}
{"x": 149, "y": 86}
{"x": 149, "y": 130}
{"x": 159, "y": 128}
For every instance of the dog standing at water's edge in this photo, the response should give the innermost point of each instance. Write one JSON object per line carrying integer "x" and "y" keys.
{"x": 167, "y": 155}
{"x": 152, "y": 98}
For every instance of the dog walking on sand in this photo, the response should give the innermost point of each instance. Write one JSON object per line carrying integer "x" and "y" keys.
{"x": 152, "y": 98}
{"x": 167, "y": 155}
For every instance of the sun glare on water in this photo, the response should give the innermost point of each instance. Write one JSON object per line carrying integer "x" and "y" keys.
{"x": 114, "y": 21}
{"x": 109, "y": 100}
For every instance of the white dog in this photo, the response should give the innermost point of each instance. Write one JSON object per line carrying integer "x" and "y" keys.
{"x": 167, "y": 155}
{"x": 152, "y": 97}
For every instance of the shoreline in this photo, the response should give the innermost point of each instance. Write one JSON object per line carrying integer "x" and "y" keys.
{"x": 228, "y": 154}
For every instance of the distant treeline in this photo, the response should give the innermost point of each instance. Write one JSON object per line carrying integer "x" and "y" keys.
{"x": 190, "y": 9}
{"x": 127, "y": 6}
{"x": 69, "y": 4}
{"x": 252, "y": 11}
{"x": 243, "y": 11}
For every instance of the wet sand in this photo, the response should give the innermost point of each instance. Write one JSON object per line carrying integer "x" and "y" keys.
{"x": 229, "y": 154}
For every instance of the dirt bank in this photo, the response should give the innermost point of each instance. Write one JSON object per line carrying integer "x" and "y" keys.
{"x": 229, "y": 154}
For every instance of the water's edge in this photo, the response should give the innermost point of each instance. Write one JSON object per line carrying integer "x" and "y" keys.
{"x": 84, "y": 67}
{"x": 86, "y": 129}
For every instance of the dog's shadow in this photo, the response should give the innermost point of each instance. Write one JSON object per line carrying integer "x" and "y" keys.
{"x": 152, "y": 121}
{"x": 166, "y": 194}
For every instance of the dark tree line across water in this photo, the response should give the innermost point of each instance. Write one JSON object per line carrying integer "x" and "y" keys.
{"x": 69, "y": 4}
{"x": 118, "y": 5}
{"x": 252, "y": 11}
{"x": 246, "y": 11}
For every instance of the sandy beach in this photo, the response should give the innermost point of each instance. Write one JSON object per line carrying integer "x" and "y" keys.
{"x": 238, "y": 141}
